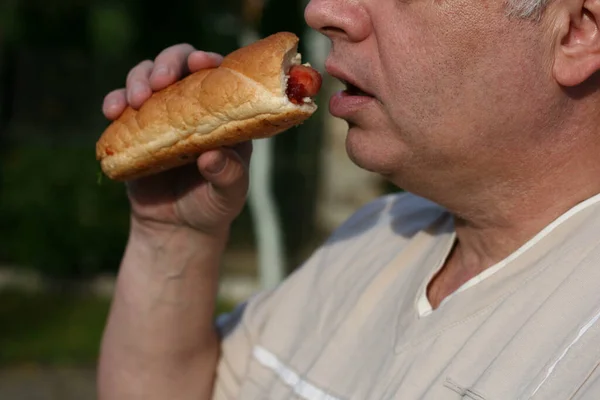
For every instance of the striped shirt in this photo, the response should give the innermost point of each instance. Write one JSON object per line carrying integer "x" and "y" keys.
{"x": 354, "y": 321}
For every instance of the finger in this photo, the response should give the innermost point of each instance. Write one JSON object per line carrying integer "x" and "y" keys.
{"x": 245, "y": 151}
{"x": 137, "y": 84}
{"x": 201, "y": 60}
{"x": 114, "y": 104}
{"x": 228, "y": 175}
{"x": 170, "y": 65}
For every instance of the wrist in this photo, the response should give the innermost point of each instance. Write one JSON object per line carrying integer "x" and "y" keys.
{"x": 166, "y": 259}
{"x": 166, "y": 249}
{"x": 155, "y": 231}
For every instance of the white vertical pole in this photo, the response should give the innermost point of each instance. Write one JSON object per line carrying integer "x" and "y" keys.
{"x": 266, "y": 222}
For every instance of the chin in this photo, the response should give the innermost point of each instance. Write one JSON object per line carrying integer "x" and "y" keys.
{"x": 373, "y": 151}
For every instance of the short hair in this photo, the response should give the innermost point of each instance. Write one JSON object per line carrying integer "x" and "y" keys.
{"x": 527, "y": 8}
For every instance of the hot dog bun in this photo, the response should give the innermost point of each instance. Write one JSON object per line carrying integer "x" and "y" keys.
{"x": 244, "y": 98}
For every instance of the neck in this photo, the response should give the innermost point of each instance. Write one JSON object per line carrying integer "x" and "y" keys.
{"x": 492, "y": 225}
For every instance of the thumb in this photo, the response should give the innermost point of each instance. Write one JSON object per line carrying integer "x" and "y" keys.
{"x": 227, "y": 174}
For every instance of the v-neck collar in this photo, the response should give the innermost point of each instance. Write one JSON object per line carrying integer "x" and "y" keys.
{"x": 480, "y": 292}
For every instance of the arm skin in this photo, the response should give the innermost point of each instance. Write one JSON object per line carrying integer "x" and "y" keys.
{"x": 160, "y": 341}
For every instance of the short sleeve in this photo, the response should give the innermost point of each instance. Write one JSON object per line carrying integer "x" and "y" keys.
{"x": 238, "y": 331}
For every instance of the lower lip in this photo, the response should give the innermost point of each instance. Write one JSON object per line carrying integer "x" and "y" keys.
{"x": 343, "y": 105}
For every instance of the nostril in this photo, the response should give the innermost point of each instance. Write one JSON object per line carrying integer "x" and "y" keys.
{"x": 348, "y": 20}
{"x": 322, "y": 16}
{"x": 331, "y": 30}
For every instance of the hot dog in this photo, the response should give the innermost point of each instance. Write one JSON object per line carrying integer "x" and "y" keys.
{"x": 258, "y": 91}
{"x": 304, "y": 83}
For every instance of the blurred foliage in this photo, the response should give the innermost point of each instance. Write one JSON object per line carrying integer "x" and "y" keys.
{"x": 58, "y": 64}
{"x": 50, "y": 328}
{"x": 55, "y": 217}
{"x": 111, "y": 28}
{"x": 8, "y": 20}
{"x": 56, "y": 328}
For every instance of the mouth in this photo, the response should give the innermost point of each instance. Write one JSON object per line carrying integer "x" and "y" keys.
{"x": 351, "y": 102}
{"x": 353, "y": 90}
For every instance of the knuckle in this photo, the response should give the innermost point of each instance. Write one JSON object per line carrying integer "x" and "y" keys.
{"x": 186, "y": 46}
{"x": 140, "y": 69}
{"x": 175, "y": 53}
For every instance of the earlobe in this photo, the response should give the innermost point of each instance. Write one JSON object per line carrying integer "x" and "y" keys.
{"x": 577, "y": 55}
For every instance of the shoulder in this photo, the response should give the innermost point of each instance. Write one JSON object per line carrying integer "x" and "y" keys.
{"x": 402, "y": 213}
{"x": 340, "y": 268}
{"x": 362, "y": 245}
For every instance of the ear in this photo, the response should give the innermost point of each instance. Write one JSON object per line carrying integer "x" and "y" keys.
{"x": 577, "y": 52}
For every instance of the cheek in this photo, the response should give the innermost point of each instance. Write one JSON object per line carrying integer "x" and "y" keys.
{"x": 446, "y": 93}
{"x": 417, "y": 82}
{"x": 428, "y": 58}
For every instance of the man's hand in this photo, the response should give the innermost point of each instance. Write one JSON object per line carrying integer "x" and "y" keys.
{"x": 205, "y": 196}
{"x": 160, "y": 341}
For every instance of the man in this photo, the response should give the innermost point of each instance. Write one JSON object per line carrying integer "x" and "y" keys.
{"x": 480, "y": 284}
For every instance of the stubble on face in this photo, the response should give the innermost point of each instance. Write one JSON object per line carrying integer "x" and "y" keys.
{"x": 463, "y": 91}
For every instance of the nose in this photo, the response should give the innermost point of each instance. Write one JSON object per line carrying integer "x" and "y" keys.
{"x": 341, "y": 19}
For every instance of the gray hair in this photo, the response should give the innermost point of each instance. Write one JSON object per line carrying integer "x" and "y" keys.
{"x": 527, "y": 8}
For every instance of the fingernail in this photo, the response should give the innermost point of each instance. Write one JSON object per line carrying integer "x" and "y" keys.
{"x": 217, "y": 165}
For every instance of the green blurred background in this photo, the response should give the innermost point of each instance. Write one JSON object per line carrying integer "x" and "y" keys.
{"x": 62, "y": 233}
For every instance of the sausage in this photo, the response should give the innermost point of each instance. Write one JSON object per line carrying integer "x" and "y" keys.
{"x": 303, "y": 82}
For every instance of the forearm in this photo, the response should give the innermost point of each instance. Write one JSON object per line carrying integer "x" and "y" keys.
{"x": 160, "y": 340}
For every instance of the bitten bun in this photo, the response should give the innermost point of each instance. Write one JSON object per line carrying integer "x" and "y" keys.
{"x": 244, "y": 98}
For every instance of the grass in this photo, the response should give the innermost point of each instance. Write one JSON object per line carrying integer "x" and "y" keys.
{"x": 58, "y": 329}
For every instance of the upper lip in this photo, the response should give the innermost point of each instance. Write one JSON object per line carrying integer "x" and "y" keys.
{"x": 338, "y": 73}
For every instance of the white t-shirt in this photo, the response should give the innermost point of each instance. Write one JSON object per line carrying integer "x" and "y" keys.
{"x": 354, "y": 322}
